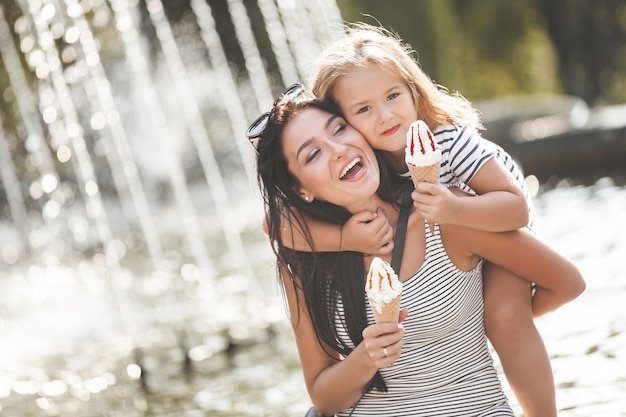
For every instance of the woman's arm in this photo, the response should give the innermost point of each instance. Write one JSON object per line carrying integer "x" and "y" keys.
{"x": 500, "y": 204}
{"x": 521, "y": 252}
{"x": 334, "y": 384}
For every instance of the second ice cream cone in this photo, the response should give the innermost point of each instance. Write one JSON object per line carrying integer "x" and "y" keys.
{"x": 429, "y": 173}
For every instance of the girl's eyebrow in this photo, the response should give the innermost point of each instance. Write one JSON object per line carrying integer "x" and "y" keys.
{"x": 308, "y": 141}
{"x": 394, "y": 87}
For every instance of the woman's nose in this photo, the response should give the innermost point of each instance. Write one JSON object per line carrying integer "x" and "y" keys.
{"x": 338, "y": 149}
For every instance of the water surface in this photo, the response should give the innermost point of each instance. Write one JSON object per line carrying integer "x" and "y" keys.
{"x": 64, "y": 351}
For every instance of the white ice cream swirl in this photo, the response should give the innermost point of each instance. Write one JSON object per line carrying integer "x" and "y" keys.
{"x": 382, "y": 284}
{"x": 421, "y": 147}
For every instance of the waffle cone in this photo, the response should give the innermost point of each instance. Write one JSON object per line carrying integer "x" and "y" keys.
{"x": 429, "y": 173}
{"x": 389, "y": 313}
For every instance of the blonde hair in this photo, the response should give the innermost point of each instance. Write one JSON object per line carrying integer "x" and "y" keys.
{"x": 365, "y": 44}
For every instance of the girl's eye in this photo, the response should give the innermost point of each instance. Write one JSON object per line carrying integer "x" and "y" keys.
{"x": 362, "y": 110}
{"x": 393, "y": 96}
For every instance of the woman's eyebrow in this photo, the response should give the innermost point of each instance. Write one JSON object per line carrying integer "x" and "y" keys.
{"x": 308, "y": 141}
{"x": 330, "y": 120}
{"x": 303, "y": 146}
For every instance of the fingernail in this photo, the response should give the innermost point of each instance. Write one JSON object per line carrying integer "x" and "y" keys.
{"x": 400, "y": 326}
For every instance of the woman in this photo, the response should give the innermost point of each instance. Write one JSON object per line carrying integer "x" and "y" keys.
{"x": 310, "y": 159}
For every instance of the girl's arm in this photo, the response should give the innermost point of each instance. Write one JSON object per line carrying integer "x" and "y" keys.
{"x": 334, "y": 384}
{"x": 499, "y": 206}
{"x": 521, "y": 252}
{"x": 365, "y": 232}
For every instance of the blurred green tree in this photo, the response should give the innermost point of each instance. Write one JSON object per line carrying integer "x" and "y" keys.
{"x": 489, "y": 48}
{"x": 589, "y": 37}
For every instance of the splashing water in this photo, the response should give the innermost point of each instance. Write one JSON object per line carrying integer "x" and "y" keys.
{"x": 127, "y": 188}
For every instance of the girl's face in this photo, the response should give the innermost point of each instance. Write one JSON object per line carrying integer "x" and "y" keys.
{"x": 332, "y": 160}
{"x": 379, "y": 105}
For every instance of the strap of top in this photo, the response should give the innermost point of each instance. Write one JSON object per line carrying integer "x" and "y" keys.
{"x": 398, "y": 241}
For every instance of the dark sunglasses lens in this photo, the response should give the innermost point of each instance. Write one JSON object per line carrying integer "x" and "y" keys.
{"x": 255, "y": 142}
{"x": 293, "y": 91}
{"x": 257, "y": 127}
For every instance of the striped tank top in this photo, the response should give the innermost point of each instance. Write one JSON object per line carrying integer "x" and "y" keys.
{"x": 464, "y": 151}
{"x": 445, "y": 368}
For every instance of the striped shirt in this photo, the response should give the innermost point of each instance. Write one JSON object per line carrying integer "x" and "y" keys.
{"x": 445, "y": 368}
{"x": 464, "y": 152}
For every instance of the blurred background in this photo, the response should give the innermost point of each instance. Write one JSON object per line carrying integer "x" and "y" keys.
{"x": 135, "y": 279}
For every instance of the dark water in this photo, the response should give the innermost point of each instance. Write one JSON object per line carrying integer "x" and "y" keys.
{"x": 64, "y": 351}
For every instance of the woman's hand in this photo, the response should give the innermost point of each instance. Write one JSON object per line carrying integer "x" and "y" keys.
{"x": 383, "y": 342}
{"x": 369, "y": 233}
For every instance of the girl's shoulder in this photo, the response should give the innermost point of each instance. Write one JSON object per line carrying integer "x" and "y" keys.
{"x": 450, "y": 136}
{"x": 454, "y": 130}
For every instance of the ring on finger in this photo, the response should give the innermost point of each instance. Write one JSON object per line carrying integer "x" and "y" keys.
{"x": 385, "y": 351}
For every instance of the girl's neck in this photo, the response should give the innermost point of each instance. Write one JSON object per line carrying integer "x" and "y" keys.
{"x": 396, "y": 160}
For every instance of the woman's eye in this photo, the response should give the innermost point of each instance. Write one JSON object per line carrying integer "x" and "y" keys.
{"x": 312, "y": 155}
{"x": 339, "y": 128}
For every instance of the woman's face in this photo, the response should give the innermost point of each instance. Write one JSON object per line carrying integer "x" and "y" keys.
{"x": 331, "y": 159}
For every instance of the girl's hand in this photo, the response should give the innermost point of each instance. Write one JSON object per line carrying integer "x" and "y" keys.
{"x": 369, "y": 233}
{"x": 435, "y": 202}
{"x": 383, "y": 342}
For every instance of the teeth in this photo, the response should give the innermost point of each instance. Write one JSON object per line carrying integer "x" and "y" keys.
{"x": 349, "y": 167}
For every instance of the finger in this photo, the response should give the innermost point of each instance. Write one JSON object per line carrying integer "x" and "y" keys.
{"x": 422, "y": 200}
{"x": 387, "y": 355}
{"x": 385, "y": 234}
{"x": 381, "y": 213}
{"x": 385, "y": 250}
{"x": 427, "y": 188}
{"x": 402, "y": 316}
{"x": 381, "y": 330}
{"x": 379, "y": 223}
{"x": 364, "y": 216}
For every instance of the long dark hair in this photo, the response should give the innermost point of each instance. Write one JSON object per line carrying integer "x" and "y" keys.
{"x": 323, "y": 277}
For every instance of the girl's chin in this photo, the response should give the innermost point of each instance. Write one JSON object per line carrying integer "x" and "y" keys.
{"x": 392, "y": 146}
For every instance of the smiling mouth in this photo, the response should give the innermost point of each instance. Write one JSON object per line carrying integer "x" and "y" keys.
{"x": 390, "y": 131}
{"x": 351, "y": 170}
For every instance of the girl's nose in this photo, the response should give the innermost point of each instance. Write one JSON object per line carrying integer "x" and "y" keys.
{"x": 383, "y": 116}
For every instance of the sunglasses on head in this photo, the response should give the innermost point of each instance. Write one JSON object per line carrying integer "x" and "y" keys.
{"x": 256, "y": 129}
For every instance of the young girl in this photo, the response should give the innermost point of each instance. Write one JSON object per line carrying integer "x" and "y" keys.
{"x": 371, "y": 76}
{"x": 437, "y": 362}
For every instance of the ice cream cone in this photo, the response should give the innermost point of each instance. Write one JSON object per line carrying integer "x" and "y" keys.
{"x": 389, "y": 313}
{"x": 384, "y": 291}
{"x": 429, "y": 173}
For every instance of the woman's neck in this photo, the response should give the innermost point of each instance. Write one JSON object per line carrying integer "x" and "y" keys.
{"x": 365, "y": 204}
{"x": 373, "y": 204}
